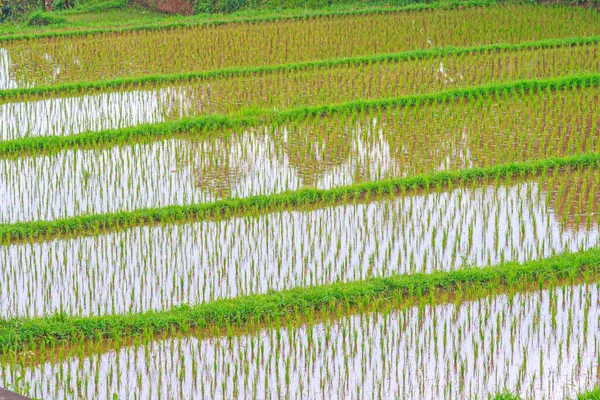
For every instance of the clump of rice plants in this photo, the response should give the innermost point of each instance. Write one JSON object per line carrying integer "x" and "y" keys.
{"x": 280, "y": 89}
{"x": 386, "y": 205}
{"x": 110, "y": 55}
{"x": 424, "y": 230}
{"x": 325, "y": 152}
{"x": 535, "y": 343}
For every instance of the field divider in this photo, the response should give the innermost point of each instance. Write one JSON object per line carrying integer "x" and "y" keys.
{"x": 242, "y": 20}
{"x": 234, "y": 207}
{"x": 79, "y": 87}
{"x": 30, "y": 333}
{"x": 593, "y": 394}
{"x": 193, "y": 126}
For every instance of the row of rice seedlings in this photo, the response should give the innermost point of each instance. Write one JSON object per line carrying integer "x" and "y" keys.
{"x": 144, "y": 268}
{"x": 134, "y": 82}
{"x": 72, "y": 115}
{"x": 6, "y": 81}
{"x": 54, "y": 60}
{"x": 323, "y": 152}
{"x": 219, "y": 18}
{"x": 537, "y": 344}
{"x": 287, "y": 89}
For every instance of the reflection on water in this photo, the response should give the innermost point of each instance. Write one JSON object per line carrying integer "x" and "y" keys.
{"x": 321, "y": 152}
{"x": 286, "y": 89}
{"x": 575, "y": 201}
{"x": 72, "y": 115}
{"x": 7, "y": 80}
{"x": 540, "y": 345}
{"x": 158, "y": 267}
{"x": 181, "y": 171}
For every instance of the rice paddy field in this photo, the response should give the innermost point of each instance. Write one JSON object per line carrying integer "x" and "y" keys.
{"x": 388, "y": 204}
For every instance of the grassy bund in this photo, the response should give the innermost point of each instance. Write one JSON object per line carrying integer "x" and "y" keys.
{"x": 31, "y": 333}
{"x": 133, "y": 82}
{"x": 191, "y": 126}
{"x": 95, "y": 224}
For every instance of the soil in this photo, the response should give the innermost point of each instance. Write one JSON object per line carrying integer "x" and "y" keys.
{"x": 6, "y": 395}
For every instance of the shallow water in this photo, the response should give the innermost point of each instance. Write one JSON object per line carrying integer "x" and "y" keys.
{"x": 542, "y": 344}
{"x": 57, "y": 116}
{"x": 158, "y": 267}
{"x": 7, "y": 81}
{"x": 322, "y": 152}
{"x": 55, "y": 60}
{"x": 172, "y": 172}
{"x": 71, "y": 115}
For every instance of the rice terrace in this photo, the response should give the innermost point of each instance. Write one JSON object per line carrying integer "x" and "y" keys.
{"x": 299, "y": 199}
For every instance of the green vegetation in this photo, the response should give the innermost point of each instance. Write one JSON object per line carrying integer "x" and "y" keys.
{"x": 33, "y": 333}
{"x": 380, "y": 199}
{"x": 591, "y": 395}
{"x": 191, "y": 126}
{"x": 94, "y": 224}
{"x": 442, "y": 54}
{"x": 106, "y": 17}
{"x": 286, "y": 41}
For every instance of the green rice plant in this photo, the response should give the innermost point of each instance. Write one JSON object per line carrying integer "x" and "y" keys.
{"x": 53, "y": 60}
{"x": 369, "y": 203}
{"x": 417, "y": 104}
{"x": 75, "y": 89}
{"x": 344, "y": 239}
{"x": 591, "y": 395}
{"x": 341, "y": 149}
{"x": 282, "y": 90}
{"x": 505, "y": 395}
{"x": 189, "y": 22}
{"x": 469, "y": 346}
{"x": 114, "y": 221}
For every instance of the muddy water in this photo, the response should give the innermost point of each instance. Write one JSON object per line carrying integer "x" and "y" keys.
{"x": 542, "y": 344}
{"x": 158, "y": 267}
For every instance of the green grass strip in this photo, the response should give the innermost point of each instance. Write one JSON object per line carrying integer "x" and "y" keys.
{"x": 191, "y": 126}
{"x": 21, "y": 332}
{"x": 594, "y": 394}
{"x": 79, "y": 87}
{"x": 591, "y": 395}
{"x": 506, "y": 395}
{"x": 98, "y": 223}
{"x": 249, "y": 19}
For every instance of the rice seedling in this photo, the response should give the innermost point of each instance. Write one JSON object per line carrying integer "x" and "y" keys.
{"x": 425, "y": 230}
{"x": 52, "y": 60}
{"x": 535, "y": 343}
{"x": 194, "y": 126}
{"x": 324, "y": 152}
{"x": 16, "y": 94}
{"x": 71, "y": 115}
{"x": 220, "y": 19}
{"x": 590, "y": 395}
{"x": 368, "y": 204}
{"x": 283, "y": 89}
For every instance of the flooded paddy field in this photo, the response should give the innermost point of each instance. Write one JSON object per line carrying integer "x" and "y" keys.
{"x": 388, "y": 204}
{"x": 540, "y": 344}
{"x": 284, "y": 89}
{"x": 156, "y": 268}
{"x": 322, "y": 152}
{"x": 48, "y": 61}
